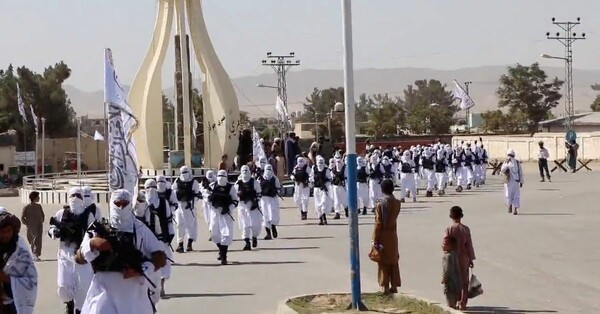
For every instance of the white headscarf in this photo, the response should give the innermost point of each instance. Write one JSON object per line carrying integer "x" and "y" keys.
{"x": 211, "y": 176}
{"x": 222, "y": 178}
{"x": 320, "y": 163}
{"x": 75, "y": 203}
{"x": 245, "y": 173}
{"x": 300, "y": 162}
{"x": 185, "y": 174}
{"x": 161, "y": 183}
{"x": 121, "y": 219}
{"x": 88, "y": 198}
{"x": 268, "y": 172}
{"x": 151, "y": 192}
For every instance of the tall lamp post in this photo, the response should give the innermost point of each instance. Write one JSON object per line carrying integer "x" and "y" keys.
{"x": 567, "y": 40}
{"x": 468, "y": 109}
{"x": 350, "y": 108}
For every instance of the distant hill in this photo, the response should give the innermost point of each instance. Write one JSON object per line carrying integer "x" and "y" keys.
{"x": 260, "y": 101}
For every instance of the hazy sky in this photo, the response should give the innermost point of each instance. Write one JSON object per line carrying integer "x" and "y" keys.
{"x": 441, "y": 34}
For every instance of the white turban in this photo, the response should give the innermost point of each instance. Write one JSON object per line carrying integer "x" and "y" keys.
{"x": 121, "y": 218}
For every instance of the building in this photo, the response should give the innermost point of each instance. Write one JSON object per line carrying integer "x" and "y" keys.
{"x": 581, "y": 123}
{"x": 8, "y": 149}
{"x": 89, "y": 126}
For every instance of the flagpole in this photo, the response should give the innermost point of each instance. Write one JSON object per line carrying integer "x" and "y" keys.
{"x": 36, "y": 150}
{"x": 79, "y": 150}
{"x": 43, "y": 145}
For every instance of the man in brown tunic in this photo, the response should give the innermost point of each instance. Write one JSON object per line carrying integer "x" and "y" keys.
{"x": 385, "y": 236}
{"x": 33, "y": 217}
{"x": 464, "y": 250}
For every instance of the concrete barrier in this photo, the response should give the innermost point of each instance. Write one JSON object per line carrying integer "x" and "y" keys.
{"x": 526, "y": 147}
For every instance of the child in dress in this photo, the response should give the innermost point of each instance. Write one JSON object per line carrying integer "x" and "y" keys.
{"x": 450, "y": 275}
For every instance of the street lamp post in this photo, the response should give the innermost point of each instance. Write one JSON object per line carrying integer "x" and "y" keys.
{"x": 567, "y": 40}
{"x": 350, "y": 108}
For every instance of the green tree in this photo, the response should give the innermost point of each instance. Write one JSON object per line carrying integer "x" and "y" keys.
{"x": 319, "y": 106}
{"x": 596, "y": 104}
{"x": 43, "y": 92}
{"x": 525, "y": 90}
{"x": 429, "y": 107}
{"x": 168, "y": 112}
{"x": 385, "y": 115}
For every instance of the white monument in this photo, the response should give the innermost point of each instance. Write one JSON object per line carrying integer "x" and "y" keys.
{"x": 221, "y": 113}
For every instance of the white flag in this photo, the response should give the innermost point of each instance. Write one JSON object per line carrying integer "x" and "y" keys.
{"x": 21, "y": 104}
{"x": 121, "y": 124}
{"x": 282, "y": 113}
{"x": 257, "y": 149}
{"x": 35, "y": 119}
{"x": 98, "y": 136}
{"x": 466, "y": 101}
{"x": 195, "y": 124}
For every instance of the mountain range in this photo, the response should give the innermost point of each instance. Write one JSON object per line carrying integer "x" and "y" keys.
{"x": 260, "y": 102}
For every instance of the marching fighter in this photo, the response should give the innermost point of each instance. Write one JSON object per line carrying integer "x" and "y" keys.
{"x": 300, "y": 176}
{"x": 407, "y": 178}
{"x": 187, "y": 191}
{"x": 339, "y": 174}
{"x": 269, "y": 201}
{"x": 362, "y": 184}
{"x": 249, "y": 214}
{"x": 223, "y": 199}
{"x": 69, "y": 225}
{"x": 320, "y": 178}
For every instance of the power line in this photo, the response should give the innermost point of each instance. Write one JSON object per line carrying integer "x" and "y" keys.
{"x": 567, "y": 40}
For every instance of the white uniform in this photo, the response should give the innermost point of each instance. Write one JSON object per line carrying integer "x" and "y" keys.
{"x": 441, "y": 163}
{"x": 73, "y": 279}
{"x": 88, "y": 200}
{"x": 322, "y": 194}
{"x": 222, "y": 224}
{"x": 362, "y": 189}
{"x": 407, "y": 178}
{"x": 186, "y": 213}
{"x": 374, "y": 182}
{"x": 249, "y": 219}
{"x": 301, "y": 189}
{"x": 512, "y": 188}
{"x": 205, "y": 191}
{"x": 110, "y": 292}
{"x": 427, "y": 161}
{"x": 269, "y": 204}
{"x": 340, "y": 197}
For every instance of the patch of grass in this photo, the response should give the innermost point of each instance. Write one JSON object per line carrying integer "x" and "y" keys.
{"x": 375, "y": 302}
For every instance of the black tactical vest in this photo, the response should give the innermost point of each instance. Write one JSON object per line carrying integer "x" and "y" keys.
{"x": 268, "y": 187}
{"x": 220, "y": 196}
{"x": 124, "y": 253}
{"x": 300, "y": 175}
{"x": 185, "y": 191}
{"x": 72, "y": 226}
{"x": 320, "y": 177}
{"x": 163, "y": 220}
{"x": 339, "y": 176}
{"x": 362, "y": 175}
{"x": 247, "y": 193}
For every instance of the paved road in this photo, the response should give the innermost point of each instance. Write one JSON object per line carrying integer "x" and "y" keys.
{"x": 543, "y": 261}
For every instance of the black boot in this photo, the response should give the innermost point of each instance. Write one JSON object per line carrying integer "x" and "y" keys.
{"x": 163, "y": 294}
{"x": 324, "y": 219}
{"x": 268, "y": 236}
{"x": 364, "y": 211}
{"x": 70, "y": 307}
{"x": 303, "y": 216}
{"x": 346, "y": 211}
{"x": 77, "y": 312}
{"x": 224, "y": 254}
{"x": 247, "y": 246}
{"x": 337, "y": 216}
{"x": 189, "y": 246}
{"x": 321, "y": 220}
{"x": 274, "y": 230}
{"x": 254, "y": 241}
{"x": 179, "y": 248}
{"x": 220, "y": 252}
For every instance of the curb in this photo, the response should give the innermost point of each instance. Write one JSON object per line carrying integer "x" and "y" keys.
{"x": 283, "y": 308}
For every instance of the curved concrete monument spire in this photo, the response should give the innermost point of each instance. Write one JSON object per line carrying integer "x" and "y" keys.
{"x": 221, "y": 113}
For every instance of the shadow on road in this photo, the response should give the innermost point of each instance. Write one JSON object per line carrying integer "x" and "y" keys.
{"x": 305, "y": 238}
{"x": 233, "y": 263}
{"x": 550, "y": 190}
{"x": 204, "y": 295}
{"x": 501, "y": 310}
{"x": 546, "y": 214}
{"x": 289, "y": 248}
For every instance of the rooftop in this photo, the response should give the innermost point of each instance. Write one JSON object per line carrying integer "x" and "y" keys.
{"x": 586, "y": 118}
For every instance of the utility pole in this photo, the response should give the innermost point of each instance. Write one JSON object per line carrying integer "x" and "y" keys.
{"x": 468, "y": 109}
{"x": 281, "y": 64}
{"x": 567, "y": 40}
